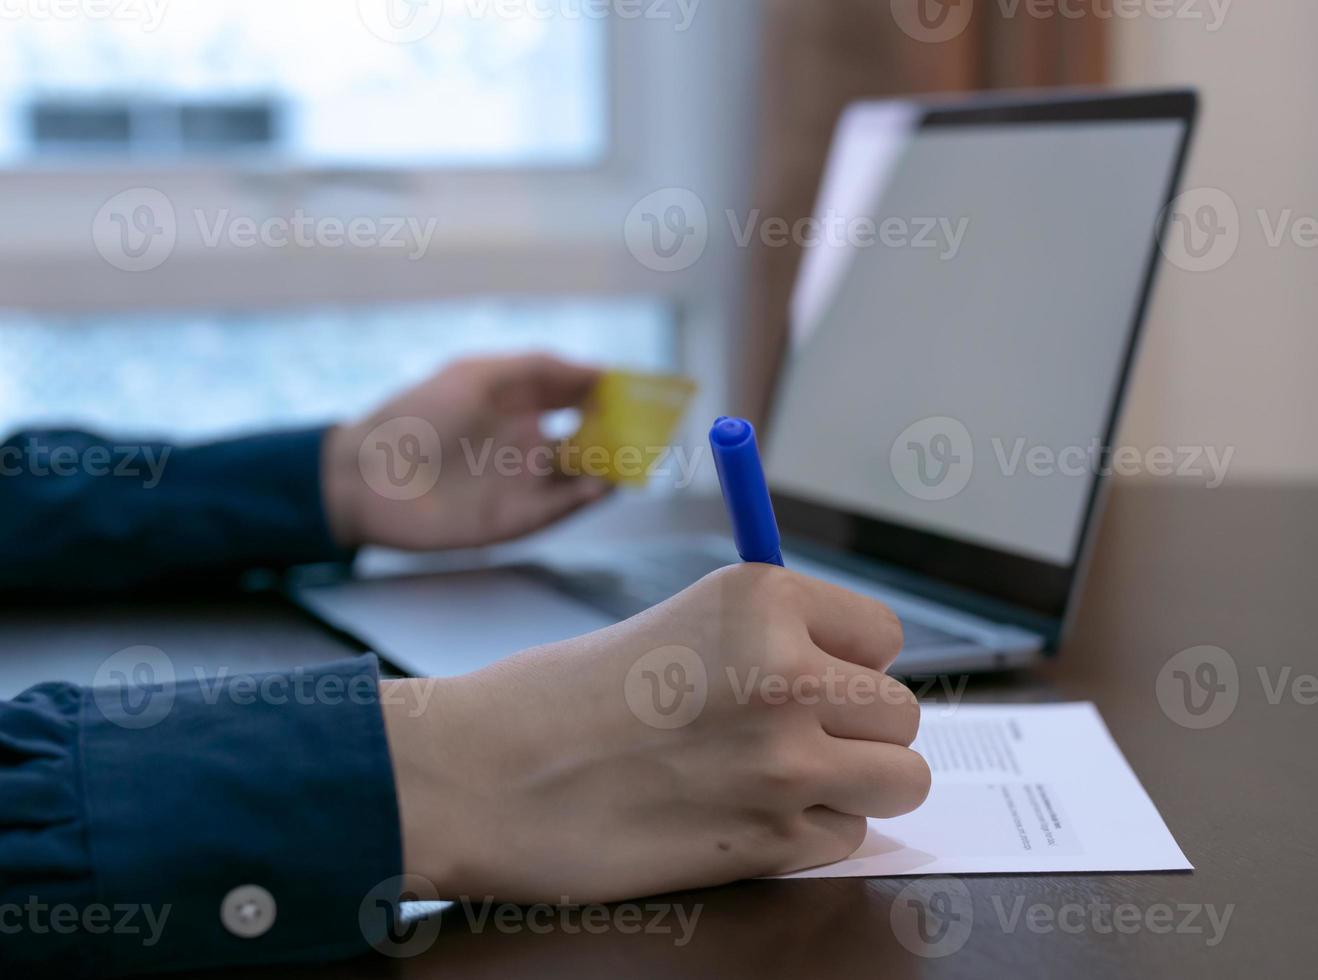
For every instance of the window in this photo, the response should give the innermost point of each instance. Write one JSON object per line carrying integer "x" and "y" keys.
{"x": 193, "y": 375}
{"x": 522, "y": 133}
{"x": 306, "y": 83}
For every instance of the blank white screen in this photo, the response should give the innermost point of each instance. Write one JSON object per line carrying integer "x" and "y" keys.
{"x": 1019, "y": 334}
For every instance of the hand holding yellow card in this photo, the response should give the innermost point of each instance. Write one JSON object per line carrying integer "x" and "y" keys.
{"x": 629, "y": 423}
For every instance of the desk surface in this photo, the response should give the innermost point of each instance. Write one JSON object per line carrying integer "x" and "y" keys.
{"x": 1176, "y": 569}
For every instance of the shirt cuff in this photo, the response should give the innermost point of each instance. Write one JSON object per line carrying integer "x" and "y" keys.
{"x": 253, "y": 815}
{"x": 253, "y": 502}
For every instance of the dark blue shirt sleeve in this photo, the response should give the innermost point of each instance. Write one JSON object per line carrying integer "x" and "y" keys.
{"x": 190, "y": 825}
{"x": 80, "y": 513}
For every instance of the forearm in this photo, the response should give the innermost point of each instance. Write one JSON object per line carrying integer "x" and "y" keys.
{"x": 81, "y": 513}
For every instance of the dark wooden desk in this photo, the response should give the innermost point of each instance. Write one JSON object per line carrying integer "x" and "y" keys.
{"x": 1176, "y": 568}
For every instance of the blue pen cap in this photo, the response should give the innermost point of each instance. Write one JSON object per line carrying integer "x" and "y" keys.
{"x": 745, "y": 491}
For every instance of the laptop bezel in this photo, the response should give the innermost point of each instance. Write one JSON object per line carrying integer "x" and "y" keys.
{"x": 1022, "y": 590}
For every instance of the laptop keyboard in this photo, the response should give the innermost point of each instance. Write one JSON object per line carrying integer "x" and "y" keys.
{"x": 920, "y": 636}
{"x": 619, "y": 594}
{"x": 650, "y": 580}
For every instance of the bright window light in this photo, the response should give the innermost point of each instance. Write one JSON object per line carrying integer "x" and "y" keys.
{"x": 200, "y": 374}
{"x": 317, "y": 83}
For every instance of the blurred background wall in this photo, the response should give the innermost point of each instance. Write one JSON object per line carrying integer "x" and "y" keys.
{"x": 1231, "y": 356}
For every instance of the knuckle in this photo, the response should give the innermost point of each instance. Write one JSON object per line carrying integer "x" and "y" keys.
{"x": 464, "y": 365}
{"x": 787, "y": 658}
{"x": 924, "y": 780}
{"x": 893, "y": 629}
{"x": 913, "y": 714}
{"x": 785, "y": 770}
{"x": 773, "y": 826}
{"x": 888, "y": 627}
{"x": 467, "y": 375}
{"x": 736, "y": 572}
{"x": 779, "y": 588}
{"x": 730, "y": 580}
{"x": 765, "y": 584}
{"x": 897, "y": 693}
{"x": 900, "y": 782}
{"x": 912, "y": 782}
{"x": 763, "y": 587}
{"x": 851, "y": 831}
{"x": 904, "y": 709}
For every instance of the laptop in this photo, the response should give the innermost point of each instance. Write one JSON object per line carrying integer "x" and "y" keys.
{"x": 962, "y": 333}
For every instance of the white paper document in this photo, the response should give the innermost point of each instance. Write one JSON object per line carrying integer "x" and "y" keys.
{"x": 1018, "y": 789}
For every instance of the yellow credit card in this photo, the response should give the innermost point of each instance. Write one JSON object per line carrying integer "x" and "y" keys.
{"x": 628, "y": 424}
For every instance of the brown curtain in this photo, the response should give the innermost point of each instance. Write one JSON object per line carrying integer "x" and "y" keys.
{"x": 820, "y": 55}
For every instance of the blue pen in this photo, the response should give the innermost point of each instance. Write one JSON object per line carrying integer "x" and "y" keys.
{"x": 745, "y": 491}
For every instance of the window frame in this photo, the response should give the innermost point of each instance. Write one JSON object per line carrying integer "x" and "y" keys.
{"x": 524, "y": 231}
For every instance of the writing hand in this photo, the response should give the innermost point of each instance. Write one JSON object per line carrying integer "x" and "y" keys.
{"x": 743, "y": 728}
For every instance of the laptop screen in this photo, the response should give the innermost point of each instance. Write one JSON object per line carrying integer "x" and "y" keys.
{"x": 962, "y": 329}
